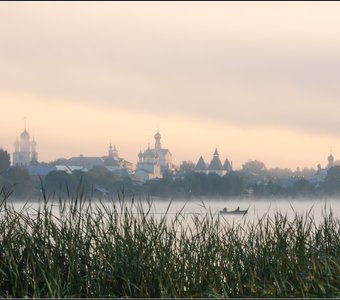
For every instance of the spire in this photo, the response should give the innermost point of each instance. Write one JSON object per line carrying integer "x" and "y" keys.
{"x": 110, "y": 150}
{"x": 157, "y": 137}
{"x": 25, "y": 135}
{"x": 330, "y": 160}
{"x": 227, "y": 165}
{"x": 215, "y": 164}
{"x": 201, "y": 165}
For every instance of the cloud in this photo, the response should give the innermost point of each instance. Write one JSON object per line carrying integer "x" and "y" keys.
{"x": 199, "y": 62}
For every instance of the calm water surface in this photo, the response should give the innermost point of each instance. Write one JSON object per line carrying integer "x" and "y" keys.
{"x": 257, "y": 208}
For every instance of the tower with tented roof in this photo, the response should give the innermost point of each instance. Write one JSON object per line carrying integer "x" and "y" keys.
{"x": 201, "y": 166}
{"x": 215, "y": 165}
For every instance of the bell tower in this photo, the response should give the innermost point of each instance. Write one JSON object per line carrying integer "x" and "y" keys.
{"x": 158, "y": 145}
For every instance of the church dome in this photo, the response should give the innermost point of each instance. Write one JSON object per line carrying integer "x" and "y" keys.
{"x": 157, "y": 135}
{"x": 149, "y": 153}
{"x": 25, "y": 135}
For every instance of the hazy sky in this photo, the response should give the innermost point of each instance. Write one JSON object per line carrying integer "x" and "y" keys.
{"x": 258, "y": 80}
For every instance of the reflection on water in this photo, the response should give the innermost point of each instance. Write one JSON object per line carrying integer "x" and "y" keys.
{"x": 258, "y": 208}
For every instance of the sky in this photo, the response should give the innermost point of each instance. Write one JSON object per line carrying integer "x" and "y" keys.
{"x": 257, "y": 80}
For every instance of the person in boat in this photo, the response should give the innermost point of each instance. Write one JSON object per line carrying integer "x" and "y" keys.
{"x": 225, "y": 210}
{"x": 237, "y": 209}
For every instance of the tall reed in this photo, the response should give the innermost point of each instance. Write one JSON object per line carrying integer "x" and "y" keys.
{"x": 76, "y": 247}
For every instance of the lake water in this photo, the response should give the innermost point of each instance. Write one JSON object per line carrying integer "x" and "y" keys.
{"x": 257, "y": 208}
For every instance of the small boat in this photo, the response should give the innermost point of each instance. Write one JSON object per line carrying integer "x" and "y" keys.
{"x": 237, "y": 211}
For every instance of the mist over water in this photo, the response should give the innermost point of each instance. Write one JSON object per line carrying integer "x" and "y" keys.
{"x": 188, "y": 208}
{"x": 257, "y": 209}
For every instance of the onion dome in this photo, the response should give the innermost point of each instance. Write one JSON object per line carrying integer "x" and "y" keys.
{"x": 25, "y": 135}
{"x": 330, "y": 157}
{"x": 157, "y": 136}
{"x": 149, "y": 153}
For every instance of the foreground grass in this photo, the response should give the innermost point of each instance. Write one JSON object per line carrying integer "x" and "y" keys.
{"x": 118, "y": 249}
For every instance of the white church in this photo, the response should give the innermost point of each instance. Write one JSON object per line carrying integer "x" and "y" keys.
{"x": 25, "y": 152}
{"x": 153, "y": 161}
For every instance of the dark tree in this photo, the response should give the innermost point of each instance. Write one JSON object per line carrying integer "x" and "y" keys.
{"x": 332, "y": 181}
{"x": 186, "y": 166}
{"x": 301, "y": 187}
{"x": 255, "y": 166}
{"x": 20, "y": 182}
{"x": 59, "y": 161}
{"x": 61, "y": 183}
{"x": 5, "y": 161}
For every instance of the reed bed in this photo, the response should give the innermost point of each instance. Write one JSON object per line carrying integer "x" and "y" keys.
{"x": 119, "y": 249}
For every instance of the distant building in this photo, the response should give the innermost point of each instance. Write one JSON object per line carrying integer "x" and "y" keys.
{"x": 87, "y": 162}
{"x": 157, "y": 155}
{"x": 321, "y": 173}
{"x": 112, "y": 161}
{"x": 153, "y": 161}
{"x": 227, "y": 165}
{"x": 330, "y": 161}
{"x": 148, "y": 166}
{"x": 201, "y": 166}
{"x": 164, "y": 155}
{"x": 67, "y": 169}
{"x": 39, "y": 170}
{"x": 25, "y": 152}
{"x": 215, "y": 165}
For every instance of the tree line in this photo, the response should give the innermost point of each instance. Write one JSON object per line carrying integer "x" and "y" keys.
{"x": 253, "y": 180}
